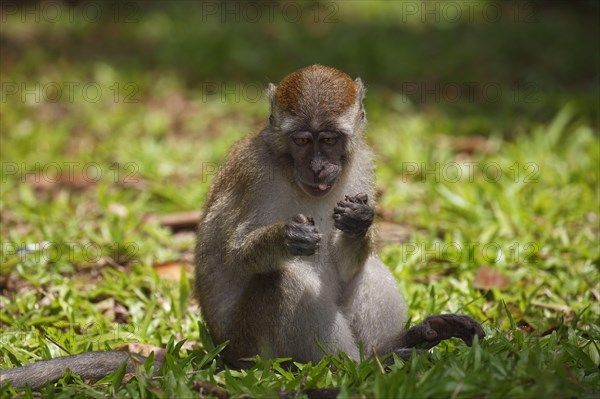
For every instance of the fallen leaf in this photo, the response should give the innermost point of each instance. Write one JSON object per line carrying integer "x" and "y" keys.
{"x": 169, "y": 270}
{"x": 118, "y": 209}
{"x": 178, "y": 222}
{"x": 143, "y": 349}
{"x": 46, "y": 181}
{"x": 487, "y": 278}
{"x": 467, "y": 145}
{"x": 393, "y": 233}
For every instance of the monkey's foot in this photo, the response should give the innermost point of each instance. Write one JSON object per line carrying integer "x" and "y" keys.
{"x": 436, "y": 328}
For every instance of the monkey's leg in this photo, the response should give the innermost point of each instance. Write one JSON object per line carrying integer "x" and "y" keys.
{"x": 89, "y": 366}
{"x": 375, "y": 307}
{"x": 287, "y": 314}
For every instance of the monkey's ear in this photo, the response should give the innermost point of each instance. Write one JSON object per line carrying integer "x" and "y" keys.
{"x": 360, "y": 89}
{"x": 271, "y": 92}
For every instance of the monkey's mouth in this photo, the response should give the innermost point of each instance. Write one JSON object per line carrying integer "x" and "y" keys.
{"x": 317, "y": 190}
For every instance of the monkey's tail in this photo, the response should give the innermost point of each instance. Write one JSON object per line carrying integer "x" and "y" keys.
{"x": 89, "y": 366}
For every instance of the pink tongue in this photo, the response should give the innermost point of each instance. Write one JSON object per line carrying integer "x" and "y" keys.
{"x": 323, "y": 187}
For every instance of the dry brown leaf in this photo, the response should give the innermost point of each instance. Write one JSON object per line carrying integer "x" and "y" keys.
{"x": 169, "y": 270}
{"x": 143, "y": 349}
{"x": 55, "y": 181}
{"x": 177, "y": 222}
{"x": 392, "y": 233}
{"x": 118, "y": 209}
{"x": 487, "y": 278}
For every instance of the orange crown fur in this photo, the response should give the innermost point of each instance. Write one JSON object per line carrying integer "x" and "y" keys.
{"x": 330, "y": 91}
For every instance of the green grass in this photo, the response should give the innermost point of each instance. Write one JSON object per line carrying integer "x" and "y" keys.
{"x": 525, "y": 205}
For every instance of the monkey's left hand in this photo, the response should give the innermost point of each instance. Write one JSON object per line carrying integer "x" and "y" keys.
{"x": 354, "y": 216}
{"x": 439, "y": 327}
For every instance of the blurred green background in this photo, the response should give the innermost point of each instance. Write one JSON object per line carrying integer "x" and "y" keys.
{"x": 472, "y": 61}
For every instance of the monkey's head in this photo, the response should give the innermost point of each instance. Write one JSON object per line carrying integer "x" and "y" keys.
{"x": 316, "y": 115}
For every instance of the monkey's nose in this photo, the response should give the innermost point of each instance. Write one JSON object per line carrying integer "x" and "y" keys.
{"x": 317, "y": 167}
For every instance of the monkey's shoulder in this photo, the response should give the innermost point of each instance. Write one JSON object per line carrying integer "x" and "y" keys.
{"x": 239, "y": 172}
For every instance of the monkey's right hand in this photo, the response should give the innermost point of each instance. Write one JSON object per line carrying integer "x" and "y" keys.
{"x": 301, "y": 236}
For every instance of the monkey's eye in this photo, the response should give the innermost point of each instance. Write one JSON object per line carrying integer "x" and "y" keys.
{"x": 330, "y": 140}
{"x": 300, "y": 141}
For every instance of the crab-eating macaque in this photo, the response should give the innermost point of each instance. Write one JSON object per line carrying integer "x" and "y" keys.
{"x": 284, "y": 258}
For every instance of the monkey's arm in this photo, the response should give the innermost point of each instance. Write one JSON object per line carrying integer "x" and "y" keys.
{"x": 434, "y": 329}
{"x": 264, "y": 249}
{"x": 89, "y": 366}
{"x": 353, "y": 217}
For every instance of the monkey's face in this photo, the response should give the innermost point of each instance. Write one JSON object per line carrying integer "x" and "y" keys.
{"x": 318, "y": 158}
{"x": 316, "y": 114}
